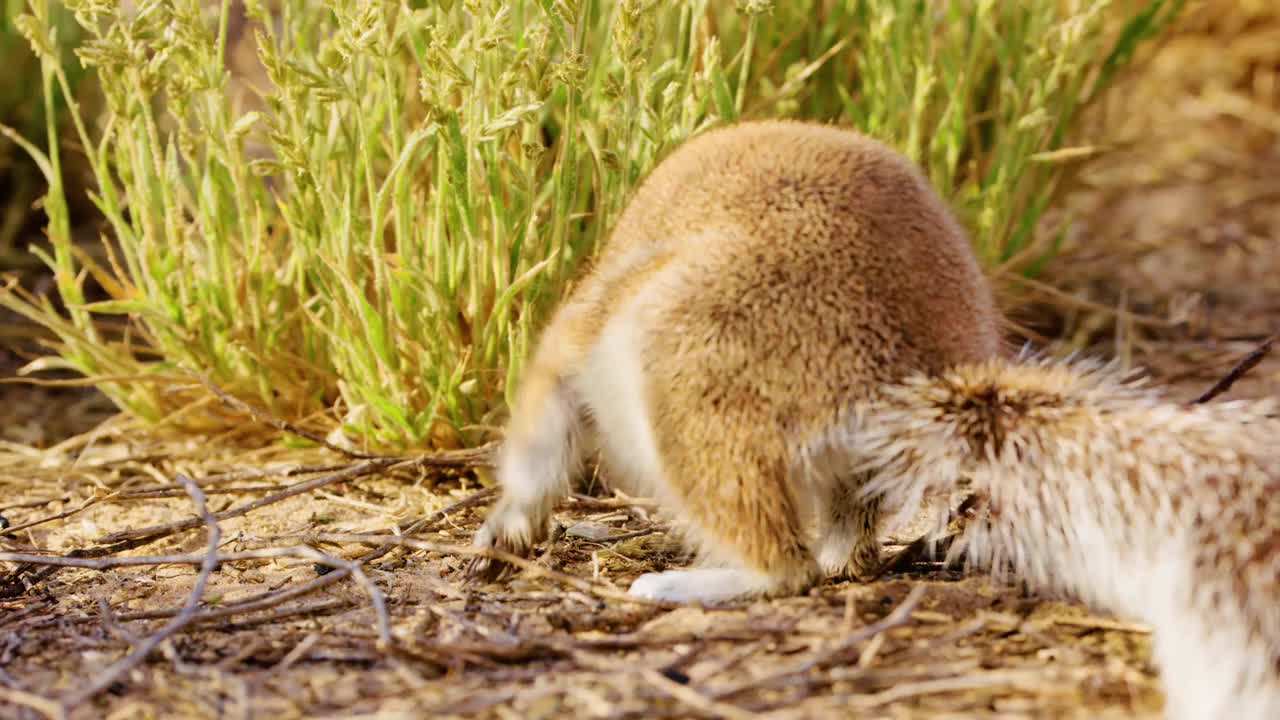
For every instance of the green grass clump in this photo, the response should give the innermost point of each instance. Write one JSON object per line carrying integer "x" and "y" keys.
{"x": 375, "y": 246}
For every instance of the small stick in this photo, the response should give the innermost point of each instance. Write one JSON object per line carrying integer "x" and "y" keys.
{"x": 360, "y": 469}
{"x": 1097, "y": 623}
{"x": 132, "y": 538}
{"x": 629, "y": 535}
{"x": 1246, "y": 364}
{"x": 13, "y": 585}
{"x": 1062, "y": 295}
{"x": 266, "y": 418}
{"x": 35, "y": 503}
{"x": 693, "y": 698}
{"x": 266, "y": 600}
{"x": 594, "y": 503}
{"x": 294, "y": 655}
{"x": 56, "y": 516}
{"x": 259, "y": 473}
{"x": 596, "y": 589}
{"x": 143, "y": 649}
{"x": 160, "y": 492}
{"x": 271, "y": 599}
{"x": 453, "y": 458}
{"x": 899, "y": 616}
{"x": 743, "y": 653}
{"x": 311, "y": 609}
{"x": 915, "y": 551}
{"x": 44, "y": 706}
{"x": 994, "y": 678}
{"x": 435, "y": 518}
{"x": 175, "y": 489}
{"x": 301, "y": 551}
{"x": 107, "y": 619}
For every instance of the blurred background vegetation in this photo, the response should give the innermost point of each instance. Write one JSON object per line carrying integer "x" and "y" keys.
{"x": 23, "y": 108}
{"x": 356, "y": 214}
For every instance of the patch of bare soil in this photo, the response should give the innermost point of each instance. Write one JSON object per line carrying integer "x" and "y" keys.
{"x": 1173, "y": 263}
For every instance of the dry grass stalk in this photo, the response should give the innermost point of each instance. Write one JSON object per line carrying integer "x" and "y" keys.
{"x": 1238, "y": 371}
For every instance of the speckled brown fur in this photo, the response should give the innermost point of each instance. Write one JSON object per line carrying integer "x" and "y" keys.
{"x": 771, "y": 273}
{"x": 1097, "y": 486}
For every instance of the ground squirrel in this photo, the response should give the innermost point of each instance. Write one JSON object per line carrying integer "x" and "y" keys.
{"x": 762, "y": 279}
{"x": 1094, "y": 485}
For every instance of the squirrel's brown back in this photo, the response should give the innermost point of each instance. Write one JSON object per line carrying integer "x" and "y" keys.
{"x": 761, "y": 280}
{"x": 814, "y": 250}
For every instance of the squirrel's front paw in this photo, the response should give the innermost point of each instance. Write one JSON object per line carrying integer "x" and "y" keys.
{"x": 505, "y": 531}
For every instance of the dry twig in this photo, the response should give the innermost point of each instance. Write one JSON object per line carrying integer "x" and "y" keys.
{"x": 208, "y": 562}
{"x": 899, "y": 616}
{"x": 361, "y": 469}
{"x": 266, "y": 418}
{"x": 994, "y": 678}
{"x": 1247, "y": 363}
{"x": 45, "y": 706}
{"x": 300, "y": 551}
{"x": 455, "y": 458}
{"x": 577, "y": 583}
{"x": 694, "y": 699}
{"x": 89, "y": 502}
{"x": 922, "y": 547}
{"x": 271, "y": 599}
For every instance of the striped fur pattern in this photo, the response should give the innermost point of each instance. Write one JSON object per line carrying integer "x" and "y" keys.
{"x": 1098, "y": 487}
